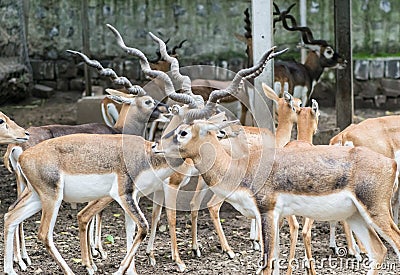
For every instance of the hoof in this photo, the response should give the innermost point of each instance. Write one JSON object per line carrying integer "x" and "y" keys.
{"x": 151, "y": 258}
{"x": 231, "y": 254}
{"x": 256, "y": 246}
{"x": 90, "y": 271}
{"x": 103, "y": 254}
{"x": 181, "y": 267}
{"x": 95, "y": 253}
{"x": 196, "y": 252}
{"x": 27, "y": 260}
{"x": 307, "y": 266}
{"x": 22, "y": 265}
{"x": 10, "y": 272}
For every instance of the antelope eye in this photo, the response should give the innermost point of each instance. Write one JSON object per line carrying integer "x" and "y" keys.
{"x": 1, "y": 121}
{"x": 329, "y": 52}
{"x": 148, "y": 102}
{"x": 183, "y": 133}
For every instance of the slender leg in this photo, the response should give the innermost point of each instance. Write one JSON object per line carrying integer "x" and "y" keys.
{"x": 307, "y": 227}
{"x": 332, "y": 237}
{"x": 158, "y": 198}
{"x": 294, "y": 233}
{"x": 194, "y": 208}
{"x": 50, "y": 205}
{"x": 214, "y": 206}
{"x": 254, "y": 235}
{"x": 171, "y": 193}
{"x": 28, "y": 204}
{"x": 354, "y": 249}
{"x": 387, "y": 229}
{"x": 376, "y": 249}
{"x": 20, "y": 252}
{"x": 270, "y": 234}
{"x": 84, "y": 217}
{"x": 129, "y": 203}
{"x": 98, "y": 245}
{"x": 17, "y": 249}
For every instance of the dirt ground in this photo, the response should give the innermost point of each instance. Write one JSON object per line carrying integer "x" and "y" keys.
{"x": 61, "y": 108}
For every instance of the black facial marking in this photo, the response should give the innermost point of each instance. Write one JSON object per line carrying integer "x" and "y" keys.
{"x": 168, "y": 135}
{"x": 183, "y": 133}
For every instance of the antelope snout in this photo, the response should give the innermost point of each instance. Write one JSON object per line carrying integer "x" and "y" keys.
{"x": 155, "y": 149}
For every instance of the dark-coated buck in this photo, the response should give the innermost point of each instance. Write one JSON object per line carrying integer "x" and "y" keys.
{"x": 301, "y": 78}
{"x": 159, "y": 63}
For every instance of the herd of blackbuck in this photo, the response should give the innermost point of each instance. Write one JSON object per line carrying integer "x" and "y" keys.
{"x": 261, "y": 173}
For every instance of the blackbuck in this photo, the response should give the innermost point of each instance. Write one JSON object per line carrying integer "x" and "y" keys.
{"x": 83, "y": 168}
{"x": 299, "y": 78}
{"x": 199, "y": 86}
{"x": 307, "y": 126}
{"x": 333, "y": 183}
{"x": 94, "y": 207}
{"x": 381, "y": 135}
{"x": 111, "y": 109}
{"x": 83, "y": 158}
{"x": 11, "y": 132}
{"x": 137, "y": 109}
{"x": 251, "y": 139}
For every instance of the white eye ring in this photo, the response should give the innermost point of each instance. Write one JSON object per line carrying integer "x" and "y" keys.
{"x": 328, "y": 53}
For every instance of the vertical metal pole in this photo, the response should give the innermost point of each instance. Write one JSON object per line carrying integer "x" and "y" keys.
{"x": 303, "y": 22}
{"x": 262, "y": 20}
{"x": 86, "y": 45}
{"x": 344, "y": 78}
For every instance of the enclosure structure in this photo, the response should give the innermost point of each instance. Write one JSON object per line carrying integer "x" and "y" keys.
{"x": 53, "y": 27}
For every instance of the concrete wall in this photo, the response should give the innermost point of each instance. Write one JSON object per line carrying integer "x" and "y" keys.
{"x": 209, "y": 26}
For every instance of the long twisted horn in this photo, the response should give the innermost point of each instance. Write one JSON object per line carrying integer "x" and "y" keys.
{"x": 169, "y": 87}
{"x": 254, "y": 71}
{"x": 173, "y": 51}
{"x": 158, "y": 54}
{"x": 306, "y": 32}
{"x": 176, "y": 75}
{"x": 120, "y": 80}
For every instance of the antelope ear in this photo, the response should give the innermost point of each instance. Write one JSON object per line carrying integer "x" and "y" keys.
{"x": 218, "y": 118}
{"x": 118, "y": 93}
{"x": 288, "y": 97}
{"x": 270, "y": 93}
{"x": 121, "y": 99}
{"x": 215, "y": 127}
{"x": 315, "y": 107}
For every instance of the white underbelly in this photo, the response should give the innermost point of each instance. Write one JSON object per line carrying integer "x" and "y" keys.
{"x": 150, "y": 181}
{"x": 333, "y": 207}
{"x": 241, "y": 200}
{"x": 85, "y": 188}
